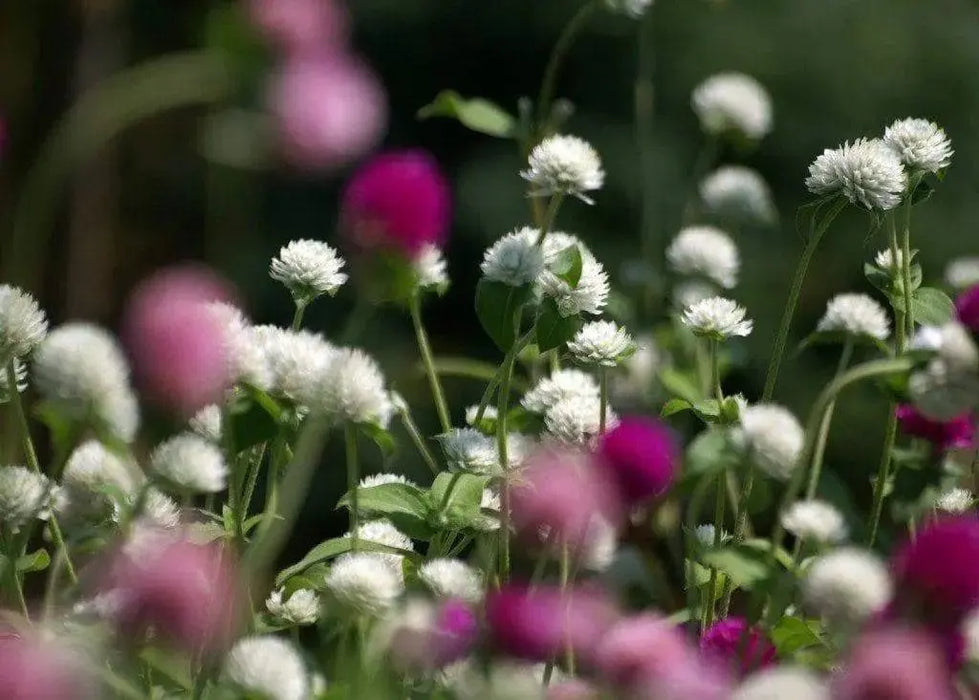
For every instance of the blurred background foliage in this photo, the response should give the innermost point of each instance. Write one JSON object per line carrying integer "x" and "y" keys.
{"x": 836, "y": 69}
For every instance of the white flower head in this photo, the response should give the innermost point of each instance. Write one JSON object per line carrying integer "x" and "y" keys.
{"x": 691, "y": 291}
{"x": 781, "y": 683}
{"x": 630, "y": 8}
{"x": 308, "y": 269}
{"x": 733, "y": 102}
{"x": 576, "y": 420}
{"x": 207, "y": 423}
{"x": 970, "y": 634}
{"x": 20, "y": 379}
{"x": 245, "y": 345}
{"x": 190, "y": 463}
{"x": 267, "y": 667}
{"x": 867, "y": 172}
{"x": 352, "y": 390}
{"x": 24, "y": 495}
{"x": 962, "y": 273}
{"x": 563, "y": 384}
{"x": 431, "y": 269}
{"x": 717, "y": 318}
{"x": 920, "y": 144}
{"x": 601, "y": 543}
{"x": 467, "y": 449}
{"x": 738, "y": 193}
{"x": 955, "y": 500}
{"x": 298, "y": 360}
{"x": 384, "y": 478}
{"x": 602, "y": 343}
{"x": 815, "y": 520}
{"x": 23, "y": 323}
{"x": 885, "y": 260}
{"x": 91, "y": 469}
{"x": 941, "y": 391}
{"x": 705, "y": 535}
{"x": 452, "y": 578}
{"x": 301, "y": 608}
{"x": 855, "y": 315}
{"x": 847, "y": 585}
{"x": 159, "y": 510}
{"x": 383, "y": 532}
{"x": 589, "y": 295}
{"x": 515, "y": 259}
{"x": 364, "y": 583}
{"x": 564, "y": 165}
{"x": 773, "y": 439}
{"x": 706, "y": 251}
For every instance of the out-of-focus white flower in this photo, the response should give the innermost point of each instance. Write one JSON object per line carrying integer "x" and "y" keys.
{"x": 602, "y": 343}
{"x": 631, "y": 8}
{"x": 738, "y": 193}
{"x": 160, "y": 510}
{"x": 949, "y": 384}
{"x": 452, "y": 578}
{"x": 190, "y": 463}
{"x": 267, "y": 667}
{"x": 847, "y": 585}
{"x": 692, "y": 291}
{"x": 301, "y": 608}
{"x": 490, "y": 501}
{"x": 352, "y": 390}
{"x": 23, "y": 324}
{"x": 970, "y": 635}
{"x": 431, "y": 269}
{"x": 589, "y": 295}
{"x": 782, "y": 683}
{"x": 24, "y": 495}
{"x": 576, "y": 420}
{"x": 207, "y": 423}
{"x": 384, "y": 478}
{"x": 364, "y": 583}
{"x": 773, "y": 439}
{"x": 298, "y": 360}
{"x": 815, "y": 520}
{"x": 20, "y": 378}
{"x": 736, "y": 102}
{"x": 920, "y": 144}
{"x": 705, "y": 535}
{"x": 564, "y": 165}
{"x": 954, "y": 501}
{"x": 639, "y": 370}
{"x": 90, "y": 469}
{"x": 857, "y": 315}
{"x": 503, "y": 680}
{"x": 718, "y": 318}
{"x": 601, "y": 542}
{"x": 884, "y": 260}
{"x": 867, "y": 172}
{"x": 515, "y": 259}
{"x": 563, "y": 384}
{"x": 245, "y": 345}
{"x": 707, "y": 251}
{"x": 383, "y": 532}
{"x": 467, "y": 449}
{"x": 308, "y": 269}
{"x": 962, "y": 273}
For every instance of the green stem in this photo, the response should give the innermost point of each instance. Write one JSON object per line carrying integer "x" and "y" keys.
{"x": 13, "y": 579}
{"x": 419, "y": 442}
{"x": 441, "y": 407}
{"x": 693, "y": 516}
{"x": 252, "y": 468}
{"x": 272, "y": 484}
{"x": 899, "y": 313}
{"x": 120, "y": 687}
{"x": 353, "y": 481}
{"x": 906, "y": 267}
{"x": 297, "y": 317}
{"x": 495, "y": 382}
{"x": 501, "y": 442}
{"x": 821, "y": 439}
{"x": 740, "y": 529}
{"x": 558, "y": 54}
{"x": 603, "y": 401}
{"x": 549, "y": 216}
{"x": 720, "y": 499}
{"x": 465, "y": 367}
{"x": 883, "y": 471}
{"x": 715, "y": 371}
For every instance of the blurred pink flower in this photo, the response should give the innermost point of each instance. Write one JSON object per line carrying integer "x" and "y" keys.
{"x": 176, "y": 346}
{"x": 958, "y": 433}
{"x": 642, "y": 455}
{"x": 967, "y": 308}
{"x": 431, "y": 636}
{"x": 574, "y": 689}
{"x": 399, "y": 200}
{"x": 328, "y": 110}
{"x": 302, "y": 26}
{"x": 722, "y": 643}
{"x": 35, "y": 670}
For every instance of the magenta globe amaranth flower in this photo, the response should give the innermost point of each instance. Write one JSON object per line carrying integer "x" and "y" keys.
{"x": 733, "y": 643}
{"x": 34, "y": 670}
{"x": 456, "y": 631}
{"x": 427, "y": 636}
{"x": 399, "y": 201}
{"x": 957, "y": 433}
{"x": 967, "y": 308}
{"x": 301, "y": 26}
{"x": 642, "y": 455}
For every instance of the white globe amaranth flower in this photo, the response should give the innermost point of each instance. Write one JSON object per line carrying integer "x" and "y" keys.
{"x": 24, "y": 495}
{"x": 23, "y": 324}
{"x": 706, "y": 251}
{"x": 563, "y": 384}
{"x": 267, "y": 667}
{"x": 885, "y": 260}
{"x": 452, "y": 578}
{"x": 867, "y": 172}
{"x": 20, "y": 379}
{"x": 970, "y": 635}
{"x": 962, "y": 273}
{"x": 781, "y": 683}
{"x": 207, "y": 423}
{"x": 502, "y": 680}
{"x": 815, "y": 521}
{"x": 467, "y": 449}
{"x": 300, "y": 608}
{"x": 91, "y": 469}
{"x": 600, "y": 546}
{"x": 920, "y": 144}
{"x": 490, "y": 501}
{"x": 565, "y": 165}
{"x": 381, "y": 531}
{"x": 515, "y": 259}
{"x": 308, "y": 269}
{"x": 602, "y": 343}
{"x": 773, "y": 439}
{"x": 949, "y": 384}
{"x": 352, "y": 390}
{"x": 691, "y": 291}
{"x": 630, "y": 8}
{"x": 244, "y": 345}
{"x": 847, "y": 585}
{"x": 955, "y": 500}
{"x": 855, "y": 315}
{"x": 589, "y": 295}
{"x": 431, "y": 269}
{"x": 159, "y": 510}
{"x": 297, "y": 360}
{"x": 190, "y": 463}
{"x": 705, "y": 534}
{"x": 384, "y": 478}
{"x": 576, "y": 420}
{"x": 733, "y": 102}
{"x": 364, "y": 583}
{"x": 738, "y": 193}
{"x": 717, "y": 318}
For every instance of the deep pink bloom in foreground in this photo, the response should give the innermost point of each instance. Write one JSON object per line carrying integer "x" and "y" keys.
{"x": 896, "y": 664}
{"x": 642, "y": 456}
{"x": 302, "y": 26}
{"x": 456, "y": 631}
{"x": 432, "y": 636}
{"x": 728, "y": 643}
{"x": 35, "y": 670}
{"x": 967, "y": 308}
{"x": 957, "y": 433}
{"x": 176, "y": 345}
{"x": 399, "y": 200}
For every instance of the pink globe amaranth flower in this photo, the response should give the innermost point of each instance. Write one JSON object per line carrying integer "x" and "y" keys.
{"x": 34, "y": 670}
{"x": 640, "y": 646}
{"x": 574, "y": 689}
{"x": 176, "y": 345}
{"x": 328, "y": 110}
{"x": 937, "y": 574}
{"x": 302, "y": 26}
{"x": 642, "y": 456}
{"x": 539, "y": 623}
{"x": 967, "y": 308}
{"x": 456, "y": 632}
{"x": 399, "y": 201}
{"x": 958, "y": 433}
{"x": 434, "y": 636}
{"x": 897, "y": 664}
{"x": 733, "y": 643}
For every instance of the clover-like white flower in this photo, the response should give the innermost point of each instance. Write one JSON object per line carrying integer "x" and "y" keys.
{"x": 467, "y": 449}
{"x": 352, "y": 389}
{"x": 920, "y": 144}
{"x": 630, "y": 8}
{"x": 856, "y": 315}
{"x": 847, "y": 585}
{"x": 691, "y": 291}
{"x": 962, "y": 273}
{"x": 308, "y": 269}
{"x": 515, "y": 259}
{"x": 563, "y": 384}
{"x": 300, "y": 608}
{"x": 576, "y": 420}
{"x": 207, "y": 423}
{"x": 706, "y": 533}
{"x": 364, "y": 583}
{"x": 717, "y": 318}
{"x": 600, "y": 545}
{"x": 867, "y": 172}
{"x": 706, "y": 251}
{"x": 91, "y": 469}
{"x": 23, "y": 323}
{"x": 784, "y": 681}
{"x": 738, "y": 193}
{"x": 815, "y": 520}
{"x": 564, "y": 165}
{"x": 773, "y": 439}
{"x": 733, "y": 102}
{"x": 452, "y": 578}
{"x": 267, "y": 667}
{"x": 190, "y": 463}
{"x": 602, "y": 343}
{"x": 885, "y": 260}
{"x": 381, "y": 531}
{"x": 24, "y": 495}
{"x": 589, "y": 295}
{"x": 384, "y": 478}
{"x": 161, "y": 511}
{"x": 297, "y": 361}
{"x": 955, "y": 500}
{"x": 431, "y": 269}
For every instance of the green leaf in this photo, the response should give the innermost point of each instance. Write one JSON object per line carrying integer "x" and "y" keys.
{"x": 708, "y": 410}
{"x": 454, "y": 500}
{"x": 330, "y": 549}
{"x": 922, "y": 193}
{"x": 553, "y": 329}
{"x": 709, "y": 453}
{"x": 678, "y": 383}
{"x": 791, "y": 634}
{"x": 405, "y": 505}
{"x": 675, "y": 406}
{"x": 497, "y": 305}
{"x": 745, "y": 566}
{"x": 381, "y": 437}
{"x": 35, "y": 561}
{"x": 254, "y": 419}
{"x": 475, "y": 113}
{"x": 931, "y": 307}
{"x": 567, "y": 265}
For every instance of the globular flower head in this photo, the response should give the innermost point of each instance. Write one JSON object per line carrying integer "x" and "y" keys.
{"x": 268, "y": 667}
{"x": 423, "y": 636}
{"x": 967, "y": 308}
{"x": 855, "y": 315}
{"x": 452, "y": 578}
{"x": 885, "y": 260}
{"x": 642, "y": 455}
{"x": 962, "y": 272}
{"x": 23, "y": 323}
{"x": 738, "y": 193}
{"x": 382, "y": 532}
{"x": 564, "y": 165}
{"x": 630, "y": 8}
{"x": 563, "y": 384}
{"x": 24, "y": 495}
{"x": 948, "y": 386}
{"x": 207, "y": 423}
{"x": 847, "y": 585}
{"x": 576, "y": 421}
{"x": 300, "y": 608}
{"x": 91, "y": 471}
{"x": 352, "y": 390}
{"x": 308, "y": 269}
{"x": 602, "y": 343}
{"x": 515, "y": 259}
{"x": 784, "y": 681}
{"x": 431, "y": 269}
{"x": 297, "y": 361}
{"x": 706, "y": 251}
{"x": 773, "y": 439}
{"x": 816, "y": 521}
{"x": 732, "y": 642}
{"x": 301, "y": 26}
{"x": 717, "y": 318}
{"x": 867, "y": 172}
{"x": 955, "y": 501}
{"x": 589, "y": 295}
{"x": 956, "y": 433}
{"x": 190, "y": 463}
{"x": 363, "y": 583}
{"x": 36, "y": 669}
{"x": 920, "y": 144}
{"x": 467, "y": 449}
{"x": 398, "y": 200}
{"x": 733, "y": 102}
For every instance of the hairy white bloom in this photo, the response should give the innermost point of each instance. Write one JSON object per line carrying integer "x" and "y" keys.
{"x": 962, "y": 273}
{"x": 431, "y": 269}
{"x": 160, "y": 510}
{"x": 949, "y": 384}
{"x": 267, "y": 667}
{"x": 245, "y": 345}
{"x": 884, "y": 259}
{"x": 815, "y": 520}
{"x": 738, "y": 193}
{"x": 384, "y": 478}
{"x": 20, "y": 378}
{"x": 718, "y": 318}
{"x": 631, "y": 8}
{"x": 383, "y": 532}
{"x": 301, "y": 608}
{"x": 297, "y": 361}
{"x": 781, "y": 683}
{"x": 23, "y": 323}
{"x": 352, "y": 390}
{"x": 190, "y": 463}
{"x": 847, "y": 584}
{"x": 515, "y": 259}
{"x": 308, "y": 269}
{"x": 602, "y": 343}
{"x": 707, "y": 251}
{"x": 601, "y": 542}
{"x": 773, "y": 438}
{"x": 207, "y": 423}
{"x": 590, "y": 294}
{"x": 89, "y": 471}
{"x": 867, "y": 172}
{"x": 735, "y": 102}
{"x": 640, "y": 370}
{"x": 705, "y": 534}
{"x": 576, "y": 420}
{"x": 970, "y": 635}
{"x": 563, "y": 384}
{"x": 955, "y": 501}
{"x": 467, "y": 449}
{"x": 855, "y": 314}
{"x": 564, "y": 165}
{"x": 364, "y": 583}
{"x": 24, "y": 495}
{"x": 692, "y": 291}
{"x": 490, "y": 501}
{"x": 452, "y": 578}
{"x": 920, "y": 144}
